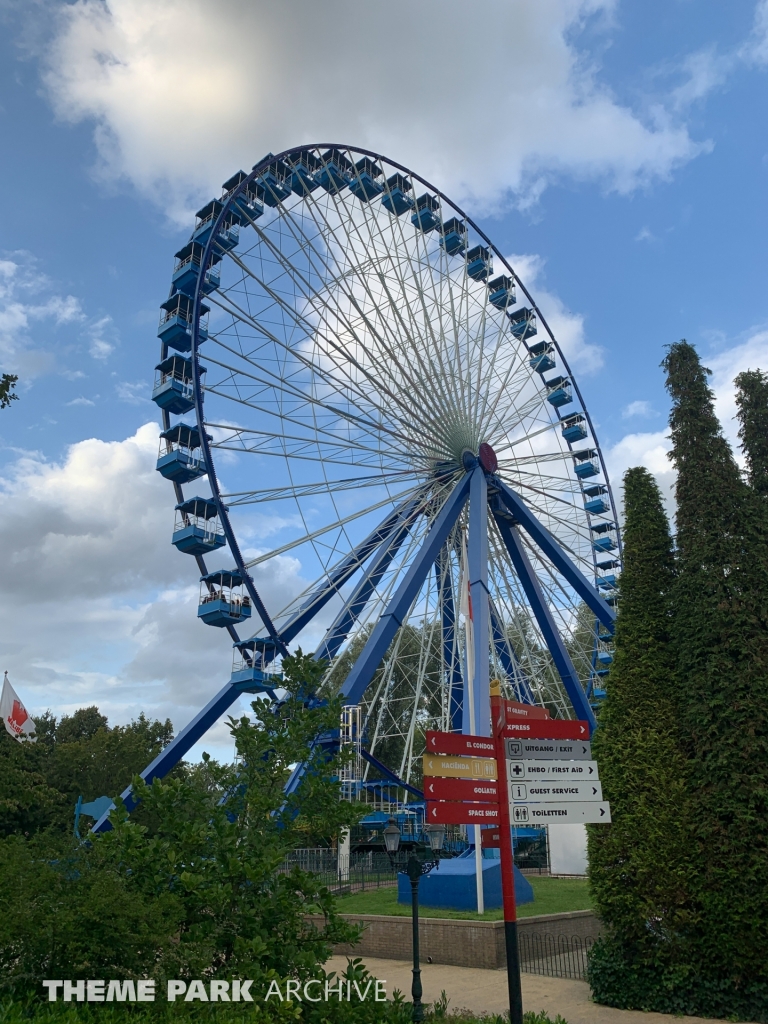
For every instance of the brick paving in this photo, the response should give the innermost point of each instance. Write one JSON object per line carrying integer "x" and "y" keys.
{"x": 485, "y": 991}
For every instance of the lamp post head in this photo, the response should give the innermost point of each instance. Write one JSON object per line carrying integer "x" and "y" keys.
{"x": 436, "y": 836}
{"x": 391, "y": 837}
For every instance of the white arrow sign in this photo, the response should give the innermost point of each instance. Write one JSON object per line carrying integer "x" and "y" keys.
{"x": 535, "y": 791}
{"x": 563, "y": 813}
{"x": 546, "y": 771}
{"x": 557, "y": 750}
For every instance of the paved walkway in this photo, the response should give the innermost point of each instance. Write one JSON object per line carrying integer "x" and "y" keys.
{"x": 486, "y": 992}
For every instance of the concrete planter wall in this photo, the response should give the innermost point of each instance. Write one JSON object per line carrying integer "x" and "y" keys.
{"x": 460, "y": 943}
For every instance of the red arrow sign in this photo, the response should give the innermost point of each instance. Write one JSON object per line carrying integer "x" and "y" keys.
{"x": 490, "y": 838}
{"x": 461, "y": 789}
{"x": 515, "y": 711}
{"x": 462, "y": 814}
{"x": 551, "y": 729}
{"x": 455, "y": 743}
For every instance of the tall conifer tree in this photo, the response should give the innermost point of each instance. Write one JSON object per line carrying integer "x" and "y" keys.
{"x": 752, "y": 404}
{"x": 720, "y": 635}
{"x": 637, "y": 864}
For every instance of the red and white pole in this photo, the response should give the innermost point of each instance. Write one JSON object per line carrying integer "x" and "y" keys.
{"x": 498, "y": 721}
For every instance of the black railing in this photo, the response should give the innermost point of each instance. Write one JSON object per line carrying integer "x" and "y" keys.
{"x": 344, "y": 874}
{"x": 556, "y": 956}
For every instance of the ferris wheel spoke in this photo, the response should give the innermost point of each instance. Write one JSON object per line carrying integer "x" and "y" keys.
{"x": 327, "y": 528}
{"x": 396, "y": 303}
{"x": 281, "y": 383}
{"x": 380, "y": 374}
{"x": 309, "y": 489}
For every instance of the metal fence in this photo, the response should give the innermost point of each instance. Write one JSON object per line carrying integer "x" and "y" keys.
{"x": 344, "y": 873}
{"x": 556, "y": 956}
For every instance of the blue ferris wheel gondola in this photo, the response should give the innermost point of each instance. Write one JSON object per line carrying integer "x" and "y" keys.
{"x": 366, "y": 369}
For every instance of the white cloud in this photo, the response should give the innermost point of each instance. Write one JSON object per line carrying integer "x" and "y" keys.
{"x": 490, "y": 100}
{"x": 102, "y": 337}
{"x": 567, "y": 327}
{"x": 650, "y": 449}
{"x": 97, "y": 605}
{"x": 81, "y": 401}
{"x": 135, "y": 394}
{"x": 639, "y": 408}
{"x": 755, "y": 50}
{"x": 751, "y": 354}
{"x": 644, "y": 449}
{"x": 25, "y": 303}
{"x": 645, "y": 235}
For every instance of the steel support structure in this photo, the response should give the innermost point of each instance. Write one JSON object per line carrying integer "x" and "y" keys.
{"x": 477, "y": 557}
{"x": 541, "y": 610}
{"x": 177, "y": 748}
{"x": 449, "y": 627}
{"x": 547, "y": 544}
{"x": 345, "y": 620}
{"x": 397, "y": 610}
{"x": 508, "y": 659}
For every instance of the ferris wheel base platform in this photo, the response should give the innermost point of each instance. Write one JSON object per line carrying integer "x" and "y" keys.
{"x": 452, "y": 886}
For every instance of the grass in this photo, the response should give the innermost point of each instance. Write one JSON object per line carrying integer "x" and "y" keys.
{"x": 551, "y": 896}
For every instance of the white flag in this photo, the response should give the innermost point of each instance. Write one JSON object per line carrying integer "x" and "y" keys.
{"x": 15, "y": 716}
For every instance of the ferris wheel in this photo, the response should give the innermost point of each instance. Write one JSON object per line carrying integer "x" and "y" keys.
{"x": 364, "y": 408}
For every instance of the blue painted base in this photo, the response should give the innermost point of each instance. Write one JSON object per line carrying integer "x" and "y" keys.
{"x": 452, "y": 886}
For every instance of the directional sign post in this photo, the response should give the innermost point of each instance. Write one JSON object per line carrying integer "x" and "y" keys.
{"x": 498, "y": 722}
{"x": 455, "y": 743}
{"x": 461, "y": 789}
{"x": 546, "y": 771}
{"x": 548, "y": 750}
{"x": 563, "y": 813}
{"x": 460, "y": 767}
{"x": 450, "y": 813}
{"x": 548, "y": 729}
{"x": 515, "y": 711}
{"x": 554, "y": 792}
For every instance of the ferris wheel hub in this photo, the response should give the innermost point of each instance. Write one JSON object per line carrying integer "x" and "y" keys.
{"x": 487, "y": 458}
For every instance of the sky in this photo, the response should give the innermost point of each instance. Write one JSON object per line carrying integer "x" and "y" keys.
{"x": 616, "y": 149}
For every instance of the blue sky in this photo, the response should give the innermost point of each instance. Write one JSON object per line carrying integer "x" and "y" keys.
{"x": 617, "y": 150}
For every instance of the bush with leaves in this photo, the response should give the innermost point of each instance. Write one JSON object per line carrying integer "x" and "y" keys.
{"x": 205, "y": 894}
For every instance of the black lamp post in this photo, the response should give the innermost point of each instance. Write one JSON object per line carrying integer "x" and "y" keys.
{"x": 415, "y": 868}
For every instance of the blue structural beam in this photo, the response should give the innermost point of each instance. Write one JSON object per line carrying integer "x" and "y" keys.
{"x": 343, "y": 571}
{"x": 395, "y": 614}
{"x": 177, "y": 748}
{"x": 451, "y": 660}
{"x": 339, "y": 630}
{"x": 508, "y": 658}
{"x": 549, "y": 546}
{"x": 389, "y": 774}
{"x": 477, "y": 556}
{"x": 549, "y": 630}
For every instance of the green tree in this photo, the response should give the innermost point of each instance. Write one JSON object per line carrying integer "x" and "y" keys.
{"x": 207, "y": 894}
{"x": 637, "y": 864}
{"x": 752, "y": 406}
{"x": 7, "y": 385}
{"x": 79, "y": 755}
{"x": 720, "y": 637}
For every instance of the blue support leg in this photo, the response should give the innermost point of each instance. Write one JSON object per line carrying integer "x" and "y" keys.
{"x": 478, "y": 589}
{"x": 177, "y": 748}
{"x": 347, "y": 617}
{"x": 546, "y": 622}
{"x": 547, "y": 543}
{"x": 383, "y": 633}
{"x": 451, "y": 660}
{"x": 508, "y": 659}
{"x": 344, "y": 570}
